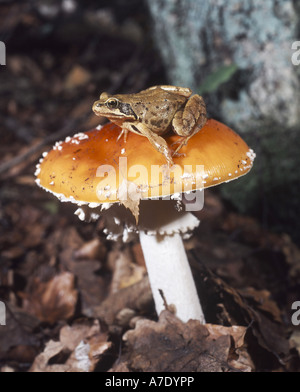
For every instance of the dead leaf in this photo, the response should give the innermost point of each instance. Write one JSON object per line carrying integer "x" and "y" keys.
{"x": 295, "y": 340}
{"x": 172, "y": 346}
{"x": 272, "y": 337}
{"x": 238, "y": 358}
{"x": 40, "y": 363}
{"x": 88, "y": 346}
{"x": 52, "y": 300}
{"x": 82, "y": 344}
{"x": 263, "y": 301}
{"x": 78, "y": 76}
{"x": 227, "y": 305}
{"x": 17, "y": 340}
{"x": 91, "y": 250}
{"x": 125, "y": 273}
{"x": 292, "y": 256}
{"x": 124, "y": 317}
{"x": 137, "y": 297}
{"x": 91, "y": 285}
{"x": 7, "y": 369}
{"x": 70, "y": 336}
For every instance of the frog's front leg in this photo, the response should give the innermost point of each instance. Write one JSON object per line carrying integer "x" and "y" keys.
{"x": 157, "y": 142}
{"x": 189, "y": 120}
{"x": 123, "y": 132}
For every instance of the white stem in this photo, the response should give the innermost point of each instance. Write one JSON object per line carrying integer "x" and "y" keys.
{"x": 169, "y": 270}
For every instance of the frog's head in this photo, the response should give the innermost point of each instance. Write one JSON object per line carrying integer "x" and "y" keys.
{"x": 114, "y": 107}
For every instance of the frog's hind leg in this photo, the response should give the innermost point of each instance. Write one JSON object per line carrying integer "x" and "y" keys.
{"x": 184, "y": 91}
{"x": 189, "y": 120}
{"x": 184, "y": 140}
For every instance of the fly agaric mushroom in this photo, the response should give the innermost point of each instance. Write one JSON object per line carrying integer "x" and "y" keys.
{"x": 122, "y": 181}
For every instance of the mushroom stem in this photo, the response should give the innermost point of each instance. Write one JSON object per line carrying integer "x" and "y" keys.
{"x": 169, "y": 271}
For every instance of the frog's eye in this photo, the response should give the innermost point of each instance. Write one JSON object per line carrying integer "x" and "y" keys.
{"x": 112, "y": 103}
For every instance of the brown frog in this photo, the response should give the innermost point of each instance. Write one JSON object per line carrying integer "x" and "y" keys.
{"x": 153, "y": 112}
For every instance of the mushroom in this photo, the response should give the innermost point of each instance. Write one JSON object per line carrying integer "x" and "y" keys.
{"x": 130, "y": 185}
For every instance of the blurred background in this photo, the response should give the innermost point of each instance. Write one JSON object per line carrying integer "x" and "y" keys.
{"x": 60, "y": 55}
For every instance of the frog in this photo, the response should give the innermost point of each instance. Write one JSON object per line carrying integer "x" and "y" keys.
{"x": 155, "y": 111}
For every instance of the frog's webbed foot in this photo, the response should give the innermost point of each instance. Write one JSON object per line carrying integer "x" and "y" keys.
{"x": 178, "y": 154}
{"x": 178, "y": 141}
{"x": 123, "y": 132}
{"x": 175, "y": 152}
{"x": 182, "y": 142}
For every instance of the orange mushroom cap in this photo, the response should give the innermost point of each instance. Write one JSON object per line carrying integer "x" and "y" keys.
{"x": 90, "y": 167}
{"x": 97, "y": 168}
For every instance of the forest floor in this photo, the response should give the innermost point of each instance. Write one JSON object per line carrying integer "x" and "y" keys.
{"x": 78, "y": 302}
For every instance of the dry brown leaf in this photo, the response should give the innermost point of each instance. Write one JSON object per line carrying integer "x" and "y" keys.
{"x": 228, "y": 306}
{"x": 125, "y": 273}
{"x": 40, "y": 363}
{"x": 52, "y": 300}
{"x": 263, "y": 301}
{"x": 82, "y": 344}
{"x": 7, "y": 369}
{"x": 91, "y": 250}
{"x": 70, "y": 336}
{"x": 292, "y": 256}
{"x": 137, "y": 297}
{"x": 17, "y": 341}
{"x": 89, "y": 349}
{"x": 91, "y": 285}
{"x": 295, "y": 340}
{"x": 239, "y": 358}
{"x": 77, "y": 77}
{"x": 172, "y": 346}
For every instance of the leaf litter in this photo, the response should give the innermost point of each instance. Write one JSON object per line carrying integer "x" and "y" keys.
{"x": 76, "y": 302}
{"x": 75, "y": 299}
{"x": 170, "y": 345}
